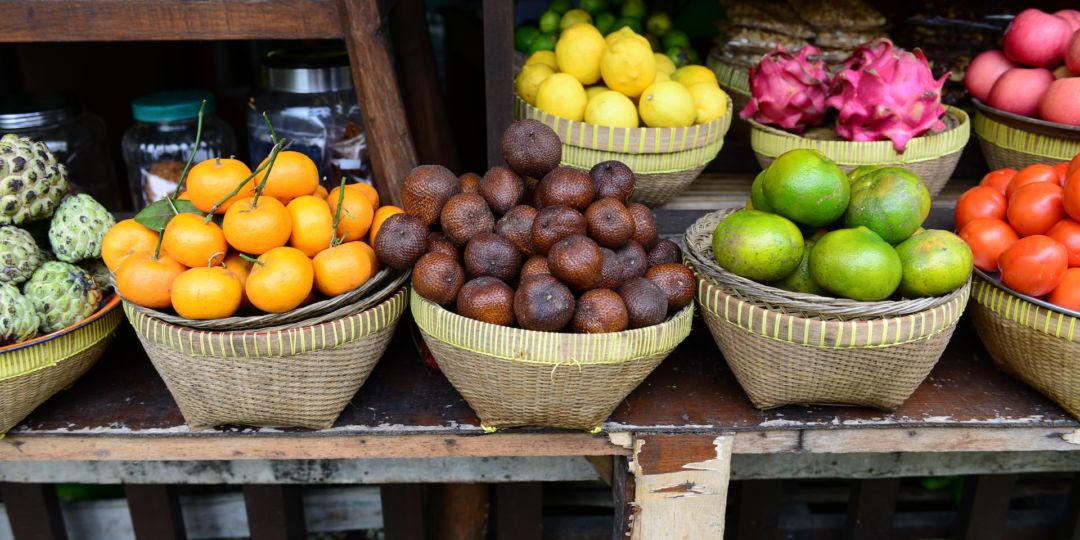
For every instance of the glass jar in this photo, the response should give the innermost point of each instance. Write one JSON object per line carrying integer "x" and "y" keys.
{"x": 309, "y": 97}
{"x": 158, "y": 145}
{"x": 77, "y": 138}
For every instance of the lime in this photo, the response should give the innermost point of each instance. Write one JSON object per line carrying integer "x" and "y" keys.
{"x": 667, "y": 104}
{"x": 862, "y": 170}
{"x": 524, "y": 36}
{"x": 856, "y": 264}
{"x": 543, "y": 57}
{"x": 800, "y": 280}
{"x": 891, "y": 201}
{"x": 560, "y": 6}
{"x": 634, "y": 9}
{"x": 678, "y": 55}
{"x": 574, "y": 16}
{"x": 632, "y": 24}
{"x": 934, "y": 263}
{"x": 628, "y": 66}
{"x": 563, "y": 96}
{"x": 594, "y": 7}
{"x": 658, "y": 24}
{"x": 605, "y": 22}
{"x": 579, "y": 51}
{"x": 758, "y": 245}
{"x": 692, "y": 56}
{"x": 806, "y": 187}
{"x": 757, "y": 196}
{"x": 543, "y": 42}
{"x": 611, "y": 109}
{"x": 549, "y": 21}
{"x": 676, "y": 38}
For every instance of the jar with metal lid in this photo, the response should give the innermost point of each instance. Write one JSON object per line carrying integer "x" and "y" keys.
{"x": 76, "y": 137}
{"x": 309, "y": 97}
{"x": 158, "y": 145}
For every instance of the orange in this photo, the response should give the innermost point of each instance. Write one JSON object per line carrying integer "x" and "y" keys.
{"x": 280, "y": 280}
{"x": 213, "y": 179}
{"x": 293, "y": 175}
{"x": 192, "y": 241}
{"x": 380, "y": 216}
{"x": 146, "y": 281}
{"x": 206, "y": 293}
{"x": 368, "y": 190}
{"x": 124, "y": 239}
{"x": 342, "y": 268}
{"x": 183, "y": 197}
{"x": 256, "y": 228}
{"x": 356, "y": 213}
{"x": 312, "y": 224}
{"x": 371, "y": 255}
{"x": 320, "y": 192}
{"x": 240, "y": 268}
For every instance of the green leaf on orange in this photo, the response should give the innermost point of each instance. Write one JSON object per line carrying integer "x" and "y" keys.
{"x": 158, "y": 214}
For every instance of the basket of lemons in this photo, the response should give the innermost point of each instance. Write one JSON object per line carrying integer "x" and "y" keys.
{"x": 613, "y": 98}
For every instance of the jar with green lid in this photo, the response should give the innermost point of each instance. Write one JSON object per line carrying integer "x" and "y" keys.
{"x": 157, "y": 146}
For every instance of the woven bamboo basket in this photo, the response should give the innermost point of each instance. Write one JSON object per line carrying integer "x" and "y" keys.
{"x": 664, "y": 160}
{"x": 1030, "y": 340}
{"x": 32, "y": 371}
{"x": 932, "y": 157}
{"x": 302, "y": 375}
{"x": 1014, "y": 141}
{"x": 513, "y": 377}
{"x": 735, "y": 80}
{"x": 826, "y": 352}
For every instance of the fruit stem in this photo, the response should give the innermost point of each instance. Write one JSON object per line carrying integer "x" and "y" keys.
{"x": 273, "y": 156}
{"x": 190, "y": 159}
{"x": 251, "y": 259}
{"x": 157, "y": 248}
{"x": 273, "y": 134}
{"x": 334, "y": 240}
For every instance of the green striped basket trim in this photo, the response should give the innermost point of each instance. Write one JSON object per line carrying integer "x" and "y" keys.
{"x": 732, "y": 78}
{"x": 278, "y": 343}
{"x": 870, "y": 333}
{"x": 47, "y": 351}
{"x": 772, "y": 142}
{"x": 1020, "y": 311}
{"x": 1019, "y": 140}
{"x": 550, "y": 348}
{"x": 628, "y": 140}
{"x": 585, "y": 158}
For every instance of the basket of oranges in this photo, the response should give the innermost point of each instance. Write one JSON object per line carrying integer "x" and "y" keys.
{"x": 259, "y": 301}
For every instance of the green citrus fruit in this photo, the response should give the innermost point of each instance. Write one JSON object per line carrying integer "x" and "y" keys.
{"x": 634, "y": 9}
{"x": 856, "y": 264}
{"x": 862, "y": 170}
{"x": 524, "y": 36}
{"x": 892, "y": 202}
{"x": 543, "y": 42}
{"x": 560, "y": 6}
{"x": 549, "y": 21}
{"x": 605, "y": 22}
{"x": 658, "y": 24}
{"x": 800, "y": 280}
{"x": 676, "y": 38}
{"x": 758, "y": 245}
{"x": 757, "y": 196}
{"x": 934, "y": 262}
{"x": 806, "y": 187}
{"x": 594, "y": 7}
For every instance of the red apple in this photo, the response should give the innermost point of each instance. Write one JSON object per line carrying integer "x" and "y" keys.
{"x": 1060, "y": 103}
{"x": 1071, "y": 16}
{"x": 1037, "y": 39}
{"x": 1019, "y": 90}
{"x": 984, "y": 71}
{"x": 1072, "y": 53}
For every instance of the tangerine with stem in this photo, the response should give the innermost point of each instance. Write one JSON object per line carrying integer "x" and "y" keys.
{"x": 209, "y": 292}
{"x": 146, "y": 279}
{"x": 368, "y": 190}
{"x": 312, "y": 224}
{"x": 293, "y": 175}
{"x": 192, "y": 241}
{"x": 124, "y": 239}
{"x": 256, "y": 227}
{"x": 342, "y": 268}
{"x": 356, "y": 214}
{"x": 212, "y": 180}
{"x": 280, "y": 280}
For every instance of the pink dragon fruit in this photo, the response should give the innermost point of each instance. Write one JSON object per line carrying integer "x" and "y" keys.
{"x": 885, "y": 93}
{"x": 787, "y": 90}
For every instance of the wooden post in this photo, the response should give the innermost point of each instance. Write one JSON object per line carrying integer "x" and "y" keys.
{"x": 498, "y": 72}
{"x": 155, "y": 512}
{"x": 403, "y": 511}
{"x": 622, "y": 489}
{"x": 275, "y": 512}
{"x": 984, "y": 507}
{"x": 389, "y": 142}
{"x": 870, "y": 509}
{"x": 33, "y": 511}
{"x": 458, "y": 511}
{"x": 518, "y": 511}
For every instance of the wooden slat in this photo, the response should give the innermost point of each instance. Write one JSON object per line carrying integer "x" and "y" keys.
{"x": 155, "y": 512}
{"x": 518, "y": 511}
{"x": 870, "y": 509}
{"x": 759, "y": 510}
{"x": 389, "y": 142}
{"x": 33, "y": 511}
{"x": 984, "y": 506}
{"x": 622, "y": 489}
{"x": 498, "y": 73}
{"x": 157, "y": 20}
{"x": 458, "y": 511}
{"x": 275, "y": 512}
{"x": 403, "y": 512}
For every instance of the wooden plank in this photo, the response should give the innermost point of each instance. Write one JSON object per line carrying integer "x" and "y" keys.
{"x": 622, "y": 489}
{"x": 275, "y": 512}
{"x": 1070, "y": 528}
{"x": 759, "y": 510}
{"x": 403, "y": 512}
{"x": 389, "y": 143}
{"x": 155, "y": 512}
{"x": 33, "y": 511}
{"x": 498, "y": 73}
{"x": 157, "y": 20}
{"x": 984, "y": 506}
{"x": 459, "y": 511}
{"x": 519, "y": 511}
{"x": 976, "y": 438}
{"x": 680, "y": 486}
{"x": 870, "y": 509}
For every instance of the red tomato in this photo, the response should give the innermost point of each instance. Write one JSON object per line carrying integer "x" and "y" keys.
{"x": 1072, "y": 195}
{"x": 1067, "y": 293}
{"x": 998, "y": 179}
{"x": 1061, "y": 170}
{"x": 1034, "y": 265}
{"x": 987, "y": 238}
{"x": 1035, "y": 208}
{"x": 979, "y": 201}
{"x": 1074, "y": 166}
{"x": 1030, "y": 175}
{"x": 1067, "y": 232}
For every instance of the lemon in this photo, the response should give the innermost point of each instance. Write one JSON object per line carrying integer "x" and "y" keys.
{"x": 665, "y": 104}
{"x": 693, "y": 74}
{"x": 595, "y": 90}
{"x": 563, "y": 96}
{"x": 528, "y": 81}
{"x": 578, "y": 52}
{"x": 543, "y": 57}
{"x": 613, "y": 109}
{"x": 574, "y": 16}
{"x": 664, "y": 64}
{"x": 661, "y": 76}
{"x": 710, "y": 102}
{"x": 620, "y": 33}
{"x": 628, "y": 66}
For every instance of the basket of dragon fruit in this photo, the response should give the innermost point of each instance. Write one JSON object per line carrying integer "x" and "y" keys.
{"x": 887, "y": 104}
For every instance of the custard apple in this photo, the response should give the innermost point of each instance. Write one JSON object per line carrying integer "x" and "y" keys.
{"x": 62, "y": 294}
{"x": 19, "y": 255}
{"x": 78, "y": 227}
{"x": 97, "y": 269}
{"x": 18, "y": 320}
{"x": 32, "y": 182}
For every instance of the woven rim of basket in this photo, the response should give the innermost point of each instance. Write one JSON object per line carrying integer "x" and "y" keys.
{"x": 549, "y": 348}
{"x": 698, "y": 244}
{"x": 640, "y": 140}
{"x": 772, "y": 142}
{"x": 731, "y": 77}
{"x": 672, "y": 162}
{"x": 1055, "y": 142}
{"x": 48, "y": 350}
{"x": 1048, "y": 319}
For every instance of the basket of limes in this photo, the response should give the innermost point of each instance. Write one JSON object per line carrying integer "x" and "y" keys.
{"x": 856, "y": 312}
{"x": 614, "y": 99}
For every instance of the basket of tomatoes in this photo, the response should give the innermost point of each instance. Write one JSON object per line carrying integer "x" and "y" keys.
{"x": 256, "y": 294}
{"x": 1023, "y": 228}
